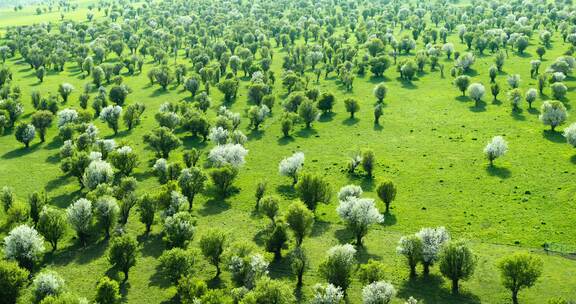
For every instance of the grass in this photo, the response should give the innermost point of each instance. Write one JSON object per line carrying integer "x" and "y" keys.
{"x": 429, "y": 142}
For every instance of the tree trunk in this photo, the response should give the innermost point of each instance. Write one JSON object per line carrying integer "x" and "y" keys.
{"x": 218, "y": 271}
{"x": 190, "y": 201}
{"x": 387, "y": 207}
{"x": 359, "y": 240}
{"x": 426, "y": 268}
{"x": 455, "y": 286}
{"x": 515, "y": 297}
{"x": 300, "y": 275}
{"x": 126, "y": 275}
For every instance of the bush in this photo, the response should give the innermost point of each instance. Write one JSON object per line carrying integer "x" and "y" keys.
{"x": 291, "y": 166}
{"x": 270, "y": 291}
{"x": 228, "y": 154}
{"x": 386, "y": 191}
{"x": 179, "y": 229}
{"x": 299, "y": 263}
{"x": 12, "y": 280}
{"x": 307, "y": 112}
{"x": 98, "y": 172}
{"x": 368, "y": 162}
{"x": 147, "y": 209}
{"x": 327, "y": 294}
{"x": 25, "y": 133}
{"x": 558, "y": 90}
{"x": 570, "y": 134}
{"x": 277, "y": 240}
{"x": 270, "y": 208}
{"x": 432, "y": 241}
{"x": 47, "y": 283}
{"x": 24, "y": 245}
{"x": 246, "y": 269}
{"x": 107, "y": 291}
{"x": 371, "y": 272}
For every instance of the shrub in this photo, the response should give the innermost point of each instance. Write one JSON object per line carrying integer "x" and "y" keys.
{"x": 368, "y": 162}
{"x": 147, "y": 208}
{"x": 371, "y": 272}
{"x": 352, "y": 106}
{"x": 163, "y": 141}
{"x": 300, "y": 220}
{"x": 514, "y": 81}
{"x": 270, "y": 291}
{"x": 462, "y": 82}
{"x": 191, "y": 182}
{"x": 307, "y": 112}
{"x": 247, "y": 268}
{"x": 570, "y": 134}
{"x": 386, "y": 191}
{"x": 124, "y": 159}
{"x": 327, "y": 294}
{"x": 558, "y": 90}
{"x": 291, "y": 166}
{"x": 111, "y": 115}
{"x": 24, "y": 245}
{"x": 277, "y": 239}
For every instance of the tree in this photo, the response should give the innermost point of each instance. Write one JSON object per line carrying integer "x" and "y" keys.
{"x": 368, "y": 161}
{"x": 553, "y": 113}
{"x": 327, "y": 294}
{"x": 411, "y": 248}
{"x": 12, "y": 280}
{"x": 41, "y": 120}
{"x": 338, "y": 266}
{"x": 229, "y": 88}
{"x": 36, "y": 202}
{"x": 277, "y": 239}
{"x": 163, "y": 141}
{"x": 25, "y": 133}
{"x": 80, "y": 218}
{"x": 176, "y": 263}
{"x": 326, "y": 102}
{"x": 558, "y": 90}
{"x": 380, "y": 91}
{"x": 107, "y": 211}
{"x": 124, "y": 159}
{"x": 132, "y": 115}
{"x": 7, "y": 197}
{"x": 47, "y": 283}
{"x": 163, "y": 76}
{"x": 122, "y": 254}
{"x": 462, "y": 82}
{"x": 300, "y": 220}
{"x": 380, "y": 292}
{"x": 387, "y": 193}
{"x": 270, "y": 291}
{"x": 531, "y": 95}
{"x": 98, "y": 172}
{"x": 147, "y": 209}
{"x": 111, "y": 115}
{"x": 359, "y": 214}
{"x": 457, "y": 262}
{"x": 179, "y": 229}
{"x": 260, "y": 191}
{"x": 212, "y": 246}
{"x": 107, "y": 291}
{"x": 476, "y": 92}
{"x": 118, "y": 94}
{"x": 25, "y": 245}
{"x": 52, "y": 225}
{"x": 513, "y": 80}
{"x": 191, "y": 181}
{"x": 432, "y": 241}
{"x": 299, "y": 262}
{"x": 307, "y": 112}
{"x": 65, "y": 89}
{"x": 98, "y": 76}
{"x": 257, "y": 115}
{"x": 270, "y": 208}
{"x": 352, "y": 106}
{"x": 377, "y": 113}
{"x": 291, "y": 166}
{"x": 371, "y": 272}
{"x": 313, "y": 189}
{"x": 570, "y": 134}
{"x": 519, "y": 271}
{"x": 495, "y": 148}
{"x": 192, "y": 85}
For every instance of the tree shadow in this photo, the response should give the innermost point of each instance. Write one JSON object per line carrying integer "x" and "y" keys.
{"x": 325, "y": 117}
{"x": 214, "y": 206}
{"x": 344, "y": 235}
{"x": 480, "y": 107}
{"x": 517, "y": 115}
{"x": 92, "y": 252}
{"x": 65, "y": 199}
{"x": 573, "y": 159}
{"x": 501, "y": 172}
{"x": 306, "y": 132}
{"x": 152, "y": 245}
{"x": 189, "y": 142}
{"x": 408, "y": 84}
{"x": 462, "y": 98}
{"x": 53, "y": 159}
{"x": 255, "y": 134}
{"x": 286, "y": 191}
{"x": 553, "y": 136}
{"x": 124, "y": 288}
{"x": 350, "y": 121}
{"x": 319, "y": 228}
{"x": 22, "y": 151}
{"x": 159, "y": 279}
{"x": 159, "y": 92}
{"x": 284, "y": 140}
{"x": 378, "y": 127}
{"x": 280, "y": 269}
{"x": 389, "y": 219}
{"x": 533, "y": 111}
{"x": 60, "y": 181}
{"x": 363, "y": 256}
{"x": 430, "y": 290}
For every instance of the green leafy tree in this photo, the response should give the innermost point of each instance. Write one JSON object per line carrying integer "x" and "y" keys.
{"x": 12, "y": 280}
{"x": 52, "y": 225}
{"x": 123, "y": 253}
{"x": 519, "y": 271}
{"x": 107, "y": 291}
{"x": 42, "y": 120}
{"x": 387, "y": 193}
{"x": 212, "y": 245}
{"x": 457, "y": 262}
{"x": 313, "y": 189}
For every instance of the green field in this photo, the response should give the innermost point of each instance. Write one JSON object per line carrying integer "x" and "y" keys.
{"x": 430, "y": 142}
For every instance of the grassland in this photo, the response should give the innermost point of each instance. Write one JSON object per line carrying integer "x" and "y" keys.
{"x": 430, "y": 143}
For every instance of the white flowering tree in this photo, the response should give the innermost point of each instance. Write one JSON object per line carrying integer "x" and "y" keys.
{"x": 432, "y": 241}
{"x": 570, "y": 134}
{"x": 291, "y": 166}
{"x": 25, "y": 133}
{"x": 65, "y": 89}
{"x": 228, "y": 154}
{"x": 379, "y": 292}
{"x": 349, "y": 191}
{"x": 327, "y": 294}
{"x": 495, "y": 148}
{"x": 339, "y": 264}
{"x": 246, "y": 269}
{"x": 359, "y": 214}
{"x": 67, "y": 116}
{"x": 476, "y": 92}
{"x": 111, "y": 116}
{"x": 179, "y": 229}
{"x": 80, "y": 218}
{"x": 47, "y": 283}
{"x": 98, "y": 172}
{"x": 553, "y": 113}
{"x": 218, "y": 135}
{"x": 530, "y": 97}
{"x": 107, "y": 211}
{"x": 25, "y": 245}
